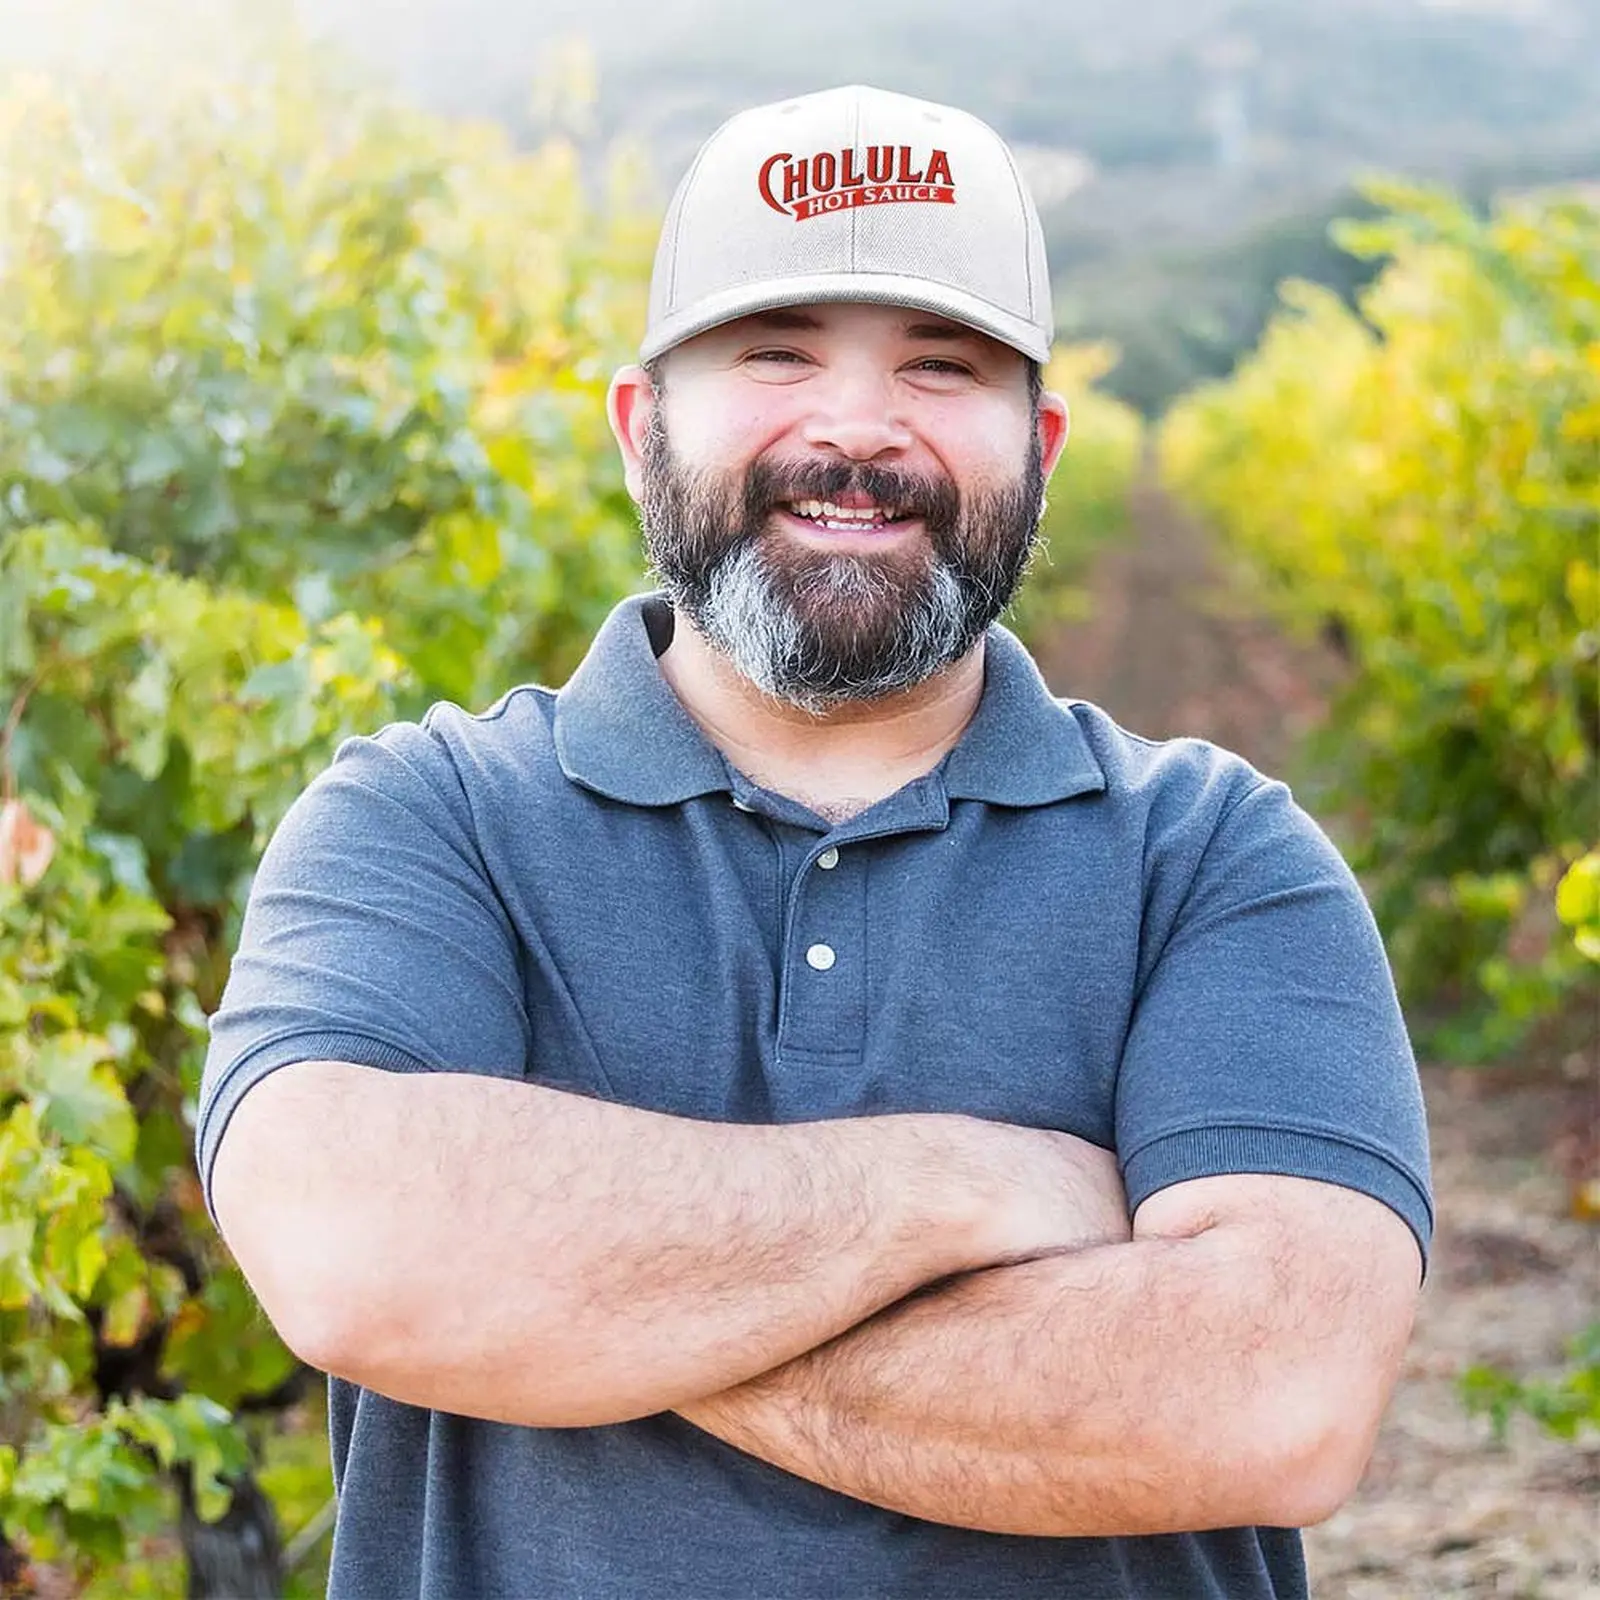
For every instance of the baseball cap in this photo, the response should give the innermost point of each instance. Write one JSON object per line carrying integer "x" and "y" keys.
{"x": 852, "y": 194}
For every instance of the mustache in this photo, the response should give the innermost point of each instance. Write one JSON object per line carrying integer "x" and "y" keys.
{"x": 936, "y": 501}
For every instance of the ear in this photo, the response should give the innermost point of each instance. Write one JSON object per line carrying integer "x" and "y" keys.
{"x": 1055, "y": 423}
{"x": 629, "y": 404}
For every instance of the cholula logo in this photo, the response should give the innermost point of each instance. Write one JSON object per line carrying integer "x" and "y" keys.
{"x": 881, "y": 174}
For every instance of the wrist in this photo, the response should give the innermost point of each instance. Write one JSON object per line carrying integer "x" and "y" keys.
{"x": 952, "y": 1193}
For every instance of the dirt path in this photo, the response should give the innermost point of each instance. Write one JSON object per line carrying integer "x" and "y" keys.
{"x": 1169, "y": 648}
{"x": 1442, "y": 1511}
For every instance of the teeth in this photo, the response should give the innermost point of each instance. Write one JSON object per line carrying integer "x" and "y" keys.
{"x": 827, "y": 511}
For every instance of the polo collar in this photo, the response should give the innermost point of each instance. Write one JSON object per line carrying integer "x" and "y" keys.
{"x": 1023, "y": 747}
{"x": 622, "y": 732}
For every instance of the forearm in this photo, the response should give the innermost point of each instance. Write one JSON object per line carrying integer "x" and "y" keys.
{"x": 503, "y": 1250}
{"x": 1111, "y": 1392}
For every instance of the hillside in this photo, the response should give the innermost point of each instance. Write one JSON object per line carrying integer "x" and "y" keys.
{"x": 1186, "y": 153}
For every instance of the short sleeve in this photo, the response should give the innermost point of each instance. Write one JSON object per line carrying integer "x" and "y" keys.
{"x": 372, "y": 934}
{"x": 1268, "y": 1037}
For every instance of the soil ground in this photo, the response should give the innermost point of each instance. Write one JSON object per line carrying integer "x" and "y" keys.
{"x": 1443, "y": 1510}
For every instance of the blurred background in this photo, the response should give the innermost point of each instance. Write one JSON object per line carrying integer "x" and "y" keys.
{"x": 1186, "y": 154}
{"x": 307, "y": 312}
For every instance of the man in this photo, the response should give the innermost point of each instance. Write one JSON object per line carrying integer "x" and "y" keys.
{"x": 695, "y": 1116}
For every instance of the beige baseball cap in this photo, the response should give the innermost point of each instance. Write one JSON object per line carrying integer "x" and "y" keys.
{"x": 852, "y": 194}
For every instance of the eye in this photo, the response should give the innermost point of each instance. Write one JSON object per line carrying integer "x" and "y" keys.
{"x": 942, "y": 369}
{"x": 776, "y": 364}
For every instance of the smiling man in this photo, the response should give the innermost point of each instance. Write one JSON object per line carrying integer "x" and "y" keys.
{"x": 801, "y": 1112}
{"x": 828, "y": 569}
{"x": 847, "y": 497}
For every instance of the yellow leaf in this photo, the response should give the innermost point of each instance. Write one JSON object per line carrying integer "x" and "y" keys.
{"x": 88, "y": 1261}
{"x": 1584, "y": 423}
{"x": 126, "y": 1316}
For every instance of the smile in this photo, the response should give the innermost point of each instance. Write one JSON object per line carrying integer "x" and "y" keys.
{"x": 844, "y": 519}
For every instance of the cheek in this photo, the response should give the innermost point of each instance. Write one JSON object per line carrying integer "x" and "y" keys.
{"x": 734, "y": 432}
{"x": 987, "y": 446}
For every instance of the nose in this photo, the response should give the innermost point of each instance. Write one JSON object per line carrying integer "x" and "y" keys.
{"x": 856, "y": 413}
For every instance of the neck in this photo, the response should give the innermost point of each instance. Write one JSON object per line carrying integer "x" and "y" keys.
{"x": 840, "y": 761}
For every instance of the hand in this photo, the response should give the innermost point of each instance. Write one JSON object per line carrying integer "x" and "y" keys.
{"x": 1046, "y": 1193}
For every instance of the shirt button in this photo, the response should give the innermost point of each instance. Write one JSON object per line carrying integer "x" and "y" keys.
{"x": 820, "y": 957}
{"x": 829, "y": 859}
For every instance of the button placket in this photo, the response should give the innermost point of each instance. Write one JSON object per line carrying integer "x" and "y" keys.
{"x": 824, "y": 1006}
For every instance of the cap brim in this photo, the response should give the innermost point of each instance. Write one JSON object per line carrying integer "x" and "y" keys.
{"x": 835, "y": 288}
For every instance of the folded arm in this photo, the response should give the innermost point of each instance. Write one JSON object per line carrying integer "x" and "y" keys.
{"x": 461, "y": 1237}
{"x": 1227, "y": 1367}
{"x": 504, "y": 1250}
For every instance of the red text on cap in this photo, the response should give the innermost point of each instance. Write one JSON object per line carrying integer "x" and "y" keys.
{"x": 880, "y": 174}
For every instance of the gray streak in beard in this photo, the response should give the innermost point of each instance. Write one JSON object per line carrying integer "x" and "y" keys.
{"x": 767, "y": 642}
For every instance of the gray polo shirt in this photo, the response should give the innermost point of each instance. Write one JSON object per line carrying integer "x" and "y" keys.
{"x": 1064, "y": 925}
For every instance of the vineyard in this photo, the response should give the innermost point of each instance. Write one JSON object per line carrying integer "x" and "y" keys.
{"x": 1420, "y": 482}
{"x": 303, "y": 430}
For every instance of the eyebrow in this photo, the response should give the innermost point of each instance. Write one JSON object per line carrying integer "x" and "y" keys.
{"x": 794, "y": 321}
{"x": 787, "y": 319}
{"x": 944, "y": 332}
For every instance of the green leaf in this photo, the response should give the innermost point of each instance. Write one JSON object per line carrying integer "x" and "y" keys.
{"x": 148, "y": 703}
{"x": 81, "y": 431}
{"x": 79, "y": 1100}
{"x": 209, "y": 512}
{"x": 156, "y": 457}
{"x": 221, "y": 1346}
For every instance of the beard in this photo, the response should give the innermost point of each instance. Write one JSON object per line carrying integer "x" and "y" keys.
{"x": 817, "y": 629}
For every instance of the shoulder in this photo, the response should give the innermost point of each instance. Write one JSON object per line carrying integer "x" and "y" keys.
{"x": 445, "y": 778}
{"x": 1206, "y": 822}
{"x": 457, "y": 756}
{"x": 1185, "y": 784}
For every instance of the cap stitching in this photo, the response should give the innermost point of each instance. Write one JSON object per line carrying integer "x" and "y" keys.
{"x": 684, "y": 190}
{"x": 1027, "y": 241}
{"x": 855, "y": 145}
{"x": 670, "y": 332}
{"x": 919, "y": 277}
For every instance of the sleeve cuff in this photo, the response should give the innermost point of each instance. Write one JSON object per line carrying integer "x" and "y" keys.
{"x": 265, "y": 1059}
{"x": 1211, "y": 1152}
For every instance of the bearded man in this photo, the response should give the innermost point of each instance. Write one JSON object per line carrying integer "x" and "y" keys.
{"x": 802, "y": 1112}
